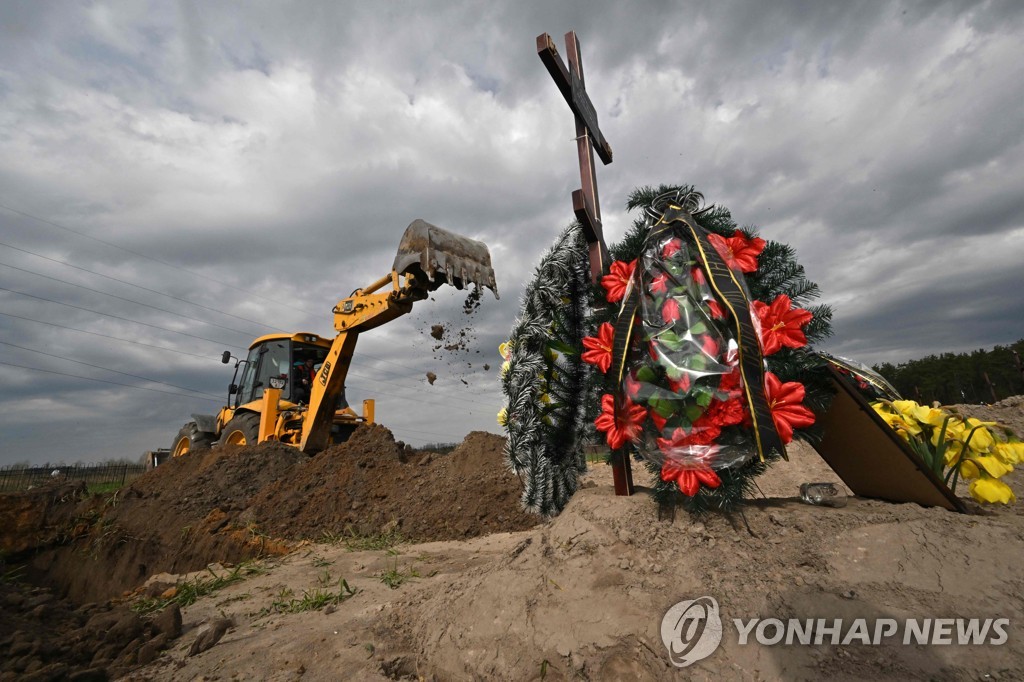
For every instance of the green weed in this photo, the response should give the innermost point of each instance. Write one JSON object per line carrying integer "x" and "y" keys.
{"x": 361, "y": 542}
{"x": 312, "y": 600}
{"x": 190, "y": 591}
{"x": 394, "y": 578}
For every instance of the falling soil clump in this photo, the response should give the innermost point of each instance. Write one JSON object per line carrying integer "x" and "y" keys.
{"x": 437, "y": 331}
{"x": 431, "y": 378}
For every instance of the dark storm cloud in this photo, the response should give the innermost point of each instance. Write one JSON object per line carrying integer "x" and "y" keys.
{"x": 270, "y": 158}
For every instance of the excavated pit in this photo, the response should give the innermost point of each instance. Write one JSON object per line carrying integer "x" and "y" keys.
{"x": 69, "y": 554}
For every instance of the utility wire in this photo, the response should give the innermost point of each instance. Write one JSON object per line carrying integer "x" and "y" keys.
{"x": 182, "y": 395}
{"x": 108, "y": 369}
{"x": 108, "y": 336}
{"x": 360, "y": 387}
{"x": 155, "y": 260}
{"x": 132, "y": 284}
{"x": 121, "y": 281}
{"x": 104, "y": 381}
{"x": 123, "y": 319}
{"x": 129, "y": 300}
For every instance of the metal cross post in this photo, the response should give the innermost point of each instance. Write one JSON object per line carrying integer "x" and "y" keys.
{"x": 585, "y": 202}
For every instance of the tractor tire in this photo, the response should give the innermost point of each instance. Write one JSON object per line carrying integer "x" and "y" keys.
{"x": 190, "y": 439}
{"x": 243, "y": 429}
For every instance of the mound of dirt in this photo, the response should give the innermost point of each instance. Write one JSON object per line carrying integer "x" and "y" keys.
{"x": 369, "y": 483}
{"x": 232, "y": 504}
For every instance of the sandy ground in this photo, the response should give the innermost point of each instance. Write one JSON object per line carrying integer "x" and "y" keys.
{"x": 582, "y": 596}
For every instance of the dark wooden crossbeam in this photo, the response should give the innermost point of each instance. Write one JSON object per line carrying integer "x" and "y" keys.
{"x": 585, "y": 202}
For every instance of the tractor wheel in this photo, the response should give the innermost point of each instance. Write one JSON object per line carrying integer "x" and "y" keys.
{"x": 243, "y": 429}
{"x": 190, "y": 439}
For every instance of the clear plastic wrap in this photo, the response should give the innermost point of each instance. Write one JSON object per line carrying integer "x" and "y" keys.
{"x": 683, "y": 368}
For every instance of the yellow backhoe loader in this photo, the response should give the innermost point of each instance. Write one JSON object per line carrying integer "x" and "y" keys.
{"x": 291, "y": 387}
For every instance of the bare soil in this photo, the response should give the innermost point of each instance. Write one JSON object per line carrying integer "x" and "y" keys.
{"x": 480, "y": 590}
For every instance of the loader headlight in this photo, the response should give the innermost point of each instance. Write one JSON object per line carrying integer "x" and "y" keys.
{"x": 278, "y": 382}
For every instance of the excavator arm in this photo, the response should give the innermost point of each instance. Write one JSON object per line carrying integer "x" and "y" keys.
{"x": 427, "y": 258}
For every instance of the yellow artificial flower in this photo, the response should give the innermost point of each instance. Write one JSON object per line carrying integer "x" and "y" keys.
{"x": 505, "y": 350}
{"x": 968, "y": 469}
{"x": 992, "y": 465}
{"x": 952, "y": 453}
{"x": 504, "y": 368}
{"x": 895, "y": 420}
{"x": 1011, "y": 452}
{"x": 954, "y": 432}
{"x": 981, "y": 439}
{"x": 503, "y": 416}
{"x": 991, "y": 490}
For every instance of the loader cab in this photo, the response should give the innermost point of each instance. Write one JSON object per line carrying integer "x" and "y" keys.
{"x": 280, "y": 357}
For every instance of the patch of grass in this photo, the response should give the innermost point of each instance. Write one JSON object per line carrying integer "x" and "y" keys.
{"x": 312, "y": 600}
{"x": 360, "y": 542}
{"x": 394, "y": 578}
{"x": 190, "y": 591}
{"x": 320, "y": 562}
{"x": 11, "y": 575}
{"x": 103, "y": 488}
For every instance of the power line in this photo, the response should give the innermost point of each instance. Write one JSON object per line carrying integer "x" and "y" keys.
{"x": 108, "y": 336}
{"x": 372, "y": 390}
{"x": 160, "y": 293}
{"x": 132, "y": 284}
{"x": 107, "y": 369}
{"x": 155, "y": 260}
{"x": 123, "y": 319}
{"x": 129, "y": 300}
{"x": 105, "y": 381}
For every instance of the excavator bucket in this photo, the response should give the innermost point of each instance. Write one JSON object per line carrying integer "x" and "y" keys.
{"x": 444, "y": 257}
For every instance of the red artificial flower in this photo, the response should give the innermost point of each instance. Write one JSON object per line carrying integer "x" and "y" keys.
{"x": 616, "y": 282}
{"x": 689, "y": 475}
{"x": 784, "y": 400}
{"x": 698, "y": 275}
{"x": 671, "y": 247}
{"x": 659, "y": 285}
{"x": 632, "y": 385}
{"x": 621, "y": 425}
{"x": 599, "y": 348}
{"x": 731, "y": 382}
{"x": 670, "y": 311}
{"x": 702, "y": 434}
{"x": 680, "y": 385}
{"x": 725, "y": 412}
{"x": 652, "y": 350}
{"x": 716, "y": 309}
{"x": 659, "y": 421}
{"x": 709, "y": 346}
{"x": 737, "y": 251}
{"x": 781, "y": 324}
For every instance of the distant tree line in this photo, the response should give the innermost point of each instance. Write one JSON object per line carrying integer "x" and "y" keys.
{"x": 981, "y": 376}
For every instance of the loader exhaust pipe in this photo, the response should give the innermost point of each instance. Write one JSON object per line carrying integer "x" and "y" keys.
{"x": 444, "y": 257}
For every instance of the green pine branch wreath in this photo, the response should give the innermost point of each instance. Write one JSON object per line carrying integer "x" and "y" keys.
{"x": 559, "y": 352}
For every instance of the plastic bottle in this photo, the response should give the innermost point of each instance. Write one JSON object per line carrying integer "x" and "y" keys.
{"x": 823, "y": 494}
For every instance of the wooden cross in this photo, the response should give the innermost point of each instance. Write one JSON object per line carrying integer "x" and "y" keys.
{"x": 585, "y": 202}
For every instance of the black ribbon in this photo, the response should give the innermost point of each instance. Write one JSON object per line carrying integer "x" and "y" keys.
{"x": 728, "y": 290}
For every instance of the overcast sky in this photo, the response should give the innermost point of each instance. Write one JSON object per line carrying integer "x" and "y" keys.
{"x": 244, "y": 167}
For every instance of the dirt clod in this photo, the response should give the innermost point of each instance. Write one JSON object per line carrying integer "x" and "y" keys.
{"x": 431, "y": 378}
